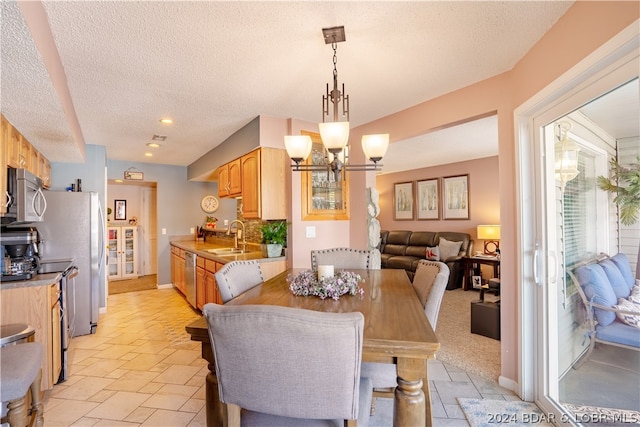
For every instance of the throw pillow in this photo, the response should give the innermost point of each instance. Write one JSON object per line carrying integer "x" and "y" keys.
{"x": 432, "y": 254}
{"x": 448, "y": 249}
{"x": 629, "y": 319}
{"x": 634, "y": 296}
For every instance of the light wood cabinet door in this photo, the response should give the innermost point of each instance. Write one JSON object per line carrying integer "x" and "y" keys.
{"x": 251, "y": 192}
{"x": 14, "y": 155}
{"x": 56, "y": 333}
{"x": 200, "y": 288}
{"x": 212, "y": 294}
{"x": 223, "y": 181}
{"x": 44, "y": 170}
{"x": 235, "y": 178}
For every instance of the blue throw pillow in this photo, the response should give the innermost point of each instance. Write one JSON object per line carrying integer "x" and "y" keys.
{"x": 622, "y": 262}
{"x": 596, "y": 287}
{"x": 618, "y": 283}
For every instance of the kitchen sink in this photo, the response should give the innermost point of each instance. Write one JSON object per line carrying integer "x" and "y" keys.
{"x": 226, "y": 251}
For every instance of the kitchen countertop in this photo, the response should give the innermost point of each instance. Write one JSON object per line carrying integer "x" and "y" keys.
{"x": 200, "y": 248}
{"x": 38, "y": 280}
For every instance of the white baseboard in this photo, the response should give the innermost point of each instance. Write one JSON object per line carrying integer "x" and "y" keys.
{"x": 508, "y": 383}
{"x": 165, "y": 286}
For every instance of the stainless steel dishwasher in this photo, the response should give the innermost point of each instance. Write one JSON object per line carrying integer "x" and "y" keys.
{"x": 190, "y": 273}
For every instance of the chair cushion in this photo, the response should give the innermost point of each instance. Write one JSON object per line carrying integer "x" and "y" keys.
{"x": 597, "y": 289}
{"x": 618, "y": 332}
{"x": 622, "y": 262}
{"x": 448, "y": 249}
{"x": 617, "y": 281}
{"x": 19, "y": 365}
{"x": 423, "y": 280}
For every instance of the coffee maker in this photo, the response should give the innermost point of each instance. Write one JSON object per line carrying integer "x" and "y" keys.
{"x": 20, "y": 253}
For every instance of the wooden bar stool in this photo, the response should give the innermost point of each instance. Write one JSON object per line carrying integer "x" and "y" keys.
{"x": 20, "y": 374}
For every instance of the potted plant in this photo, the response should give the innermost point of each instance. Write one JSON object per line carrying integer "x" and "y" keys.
{"x": 210, "y": 222}
{"x": 274, "y": 238}
{"x": 625, "y": 183}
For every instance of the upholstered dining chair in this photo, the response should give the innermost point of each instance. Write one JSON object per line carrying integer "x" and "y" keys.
{"x": 20, "y": 376}
{"x": 237, "y": 277}
{"x": 429, "y": 282}
{"x": 284, "y": 366}
{"x": 342, "y": 258}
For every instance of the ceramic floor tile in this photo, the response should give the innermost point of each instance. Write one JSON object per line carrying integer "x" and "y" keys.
{"x": 132, "y": 381}
{"x": 183, "y": 357}
{"x": 85, "y": 422}
{"x": 193, "y": 405}
{"x": 115, "y": 351}
{"x": 170, "y": 396}
{"x": 449, "y": 391}
{"x": 67, "y": 412}
{"x": 85, "y": 388}
{"x": 200, "y": 420}
{"x": 112, "y": 423}
{"x": 143, "y": 362}
{"x": 101, "y": 396}
{"x": 162, "y": 418}
{"x": 140, "y": 415}
{"x": 177, "y": 374}
{"x": 118, "y": 406}
{"x": 99, "y": 367}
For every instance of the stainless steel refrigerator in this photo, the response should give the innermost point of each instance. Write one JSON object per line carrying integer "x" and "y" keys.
{"x": 74, "y": 227}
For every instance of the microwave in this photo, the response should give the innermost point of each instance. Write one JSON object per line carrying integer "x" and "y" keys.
{"x": 26, "y": 202}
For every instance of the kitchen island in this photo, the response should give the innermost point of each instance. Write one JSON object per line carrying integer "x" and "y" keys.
{"x": 197, "y": 281}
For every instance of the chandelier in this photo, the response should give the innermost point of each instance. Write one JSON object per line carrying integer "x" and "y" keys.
{"x": 335, "y": 133}
{"x": 566, "y": 155}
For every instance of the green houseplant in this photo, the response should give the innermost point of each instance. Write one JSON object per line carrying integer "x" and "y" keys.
{"x": 625, "y": 184}
{"x": 274, "y": 238}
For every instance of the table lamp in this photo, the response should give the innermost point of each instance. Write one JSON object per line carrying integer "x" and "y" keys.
{"x": 491, "y": 236}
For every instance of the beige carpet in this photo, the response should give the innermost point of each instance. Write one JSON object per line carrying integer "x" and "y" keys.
{"x": 458, "y": 346}
{"x": 142, "y": 283}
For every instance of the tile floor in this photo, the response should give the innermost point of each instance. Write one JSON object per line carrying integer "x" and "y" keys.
{"x": 140, "y": 369}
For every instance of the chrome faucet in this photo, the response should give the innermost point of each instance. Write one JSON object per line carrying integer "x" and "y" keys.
{"x": 239, "y": 234}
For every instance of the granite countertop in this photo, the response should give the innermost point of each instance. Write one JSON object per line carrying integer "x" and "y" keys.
{"x": 37, "y": 280}
{"x": 201, "y": 249}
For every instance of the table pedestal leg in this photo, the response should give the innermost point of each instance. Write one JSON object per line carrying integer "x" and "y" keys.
{"x": 215, "y": 410}
{"x": 409, "y": 404}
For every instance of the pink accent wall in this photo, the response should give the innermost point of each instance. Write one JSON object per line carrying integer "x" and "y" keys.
{"x": 585, "y": 27}
{"x": 484, "y": 197}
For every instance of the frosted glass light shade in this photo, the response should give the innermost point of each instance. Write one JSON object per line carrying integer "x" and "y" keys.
{"x": 566, "y": 160}
{"x": 335, "y": 135}
{"x": 298, "y": 147}
{"x": 375, "y": 146}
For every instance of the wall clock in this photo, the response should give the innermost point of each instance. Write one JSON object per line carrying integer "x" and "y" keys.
{"x": 209, "y": 204}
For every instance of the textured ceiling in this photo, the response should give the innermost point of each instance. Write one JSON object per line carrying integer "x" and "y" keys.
{"x": 214, "y": 66}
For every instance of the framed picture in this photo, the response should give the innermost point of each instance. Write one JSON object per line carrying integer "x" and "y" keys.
{"x": 455, "y": 197}
{"x": 120, "y": 210}
{"x": 476, "y": 281}
{"x": 403, "y": 201}
{"x": 428, "y": 199}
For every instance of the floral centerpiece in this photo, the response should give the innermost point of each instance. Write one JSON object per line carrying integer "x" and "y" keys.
{"x": 306, "y": 283}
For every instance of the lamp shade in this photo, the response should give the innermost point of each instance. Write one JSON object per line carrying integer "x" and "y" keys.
{"x": 375, "y": 146}
{"x": 335, "y": 135}
{"x": 566, "y": 160}
{"x": 488, "y": 232}
{"x": 298, "y": 146}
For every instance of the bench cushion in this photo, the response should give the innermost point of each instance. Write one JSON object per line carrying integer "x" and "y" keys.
{"x": 617, "y": 281}
{"x": 622, "y": 262}
{"x": 620, "y": 333}
{"x": 597, "y": 289}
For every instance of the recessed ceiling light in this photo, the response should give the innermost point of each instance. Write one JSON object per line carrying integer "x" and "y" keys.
{"x": 148, "y": 155}
{"x": 166, "y": 121}
{"x": 153, "y": 145}
{"x": 158, "y": 137}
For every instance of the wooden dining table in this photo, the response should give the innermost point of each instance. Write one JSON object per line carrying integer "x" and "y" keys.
{"x": 396, "y": 330}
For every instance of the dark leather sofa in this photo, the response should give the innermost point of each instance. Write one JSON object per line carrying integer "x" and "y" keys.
{"x": 403, "y": 249}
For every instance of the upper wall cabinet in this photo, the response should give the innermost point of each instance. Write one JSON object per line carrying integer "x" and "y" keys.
{"x": 230, "y": 179}
{"x": 261, "y": 177}
{"x": 323, "y": 198}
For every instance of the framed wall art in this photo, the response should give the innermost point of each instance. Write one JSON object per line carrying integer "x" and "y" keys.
{"x": 403, "y": 201}
{"x": 428, "y": 199}
{"x": 455, "y": 197}
{"x": 120, "y": 209}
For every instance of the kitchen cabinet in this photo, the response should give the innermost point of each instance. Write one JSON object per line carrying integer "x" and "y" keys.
{"x": 178, "y": 273}
{"x": 206, "y": 285}
{"x": 44, "y": 170}
{"x": 323, "y": 197}
{"x": 37, "y": 307}
{"x": 4, "y": 142}
{"x": 261, "y": 180}
{"x": 230, "y": 179}
{"x": 122, "y": 251}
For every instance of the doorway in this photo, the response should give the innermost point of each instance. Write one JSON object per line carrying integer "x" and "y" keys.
{"x": 547, "y": 350}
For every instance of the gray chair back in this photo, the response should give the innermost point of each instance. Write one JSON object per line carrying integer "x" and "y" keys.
{"x": 237, "y": 277}
{"x": 343, "y": 258}
{"x": 430, "y": 282}
{"x": 287, "y": 361}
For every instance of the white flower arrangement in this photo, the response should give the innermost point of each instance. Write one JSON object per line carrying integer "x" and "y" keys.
{"x": 306, "y": 283}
